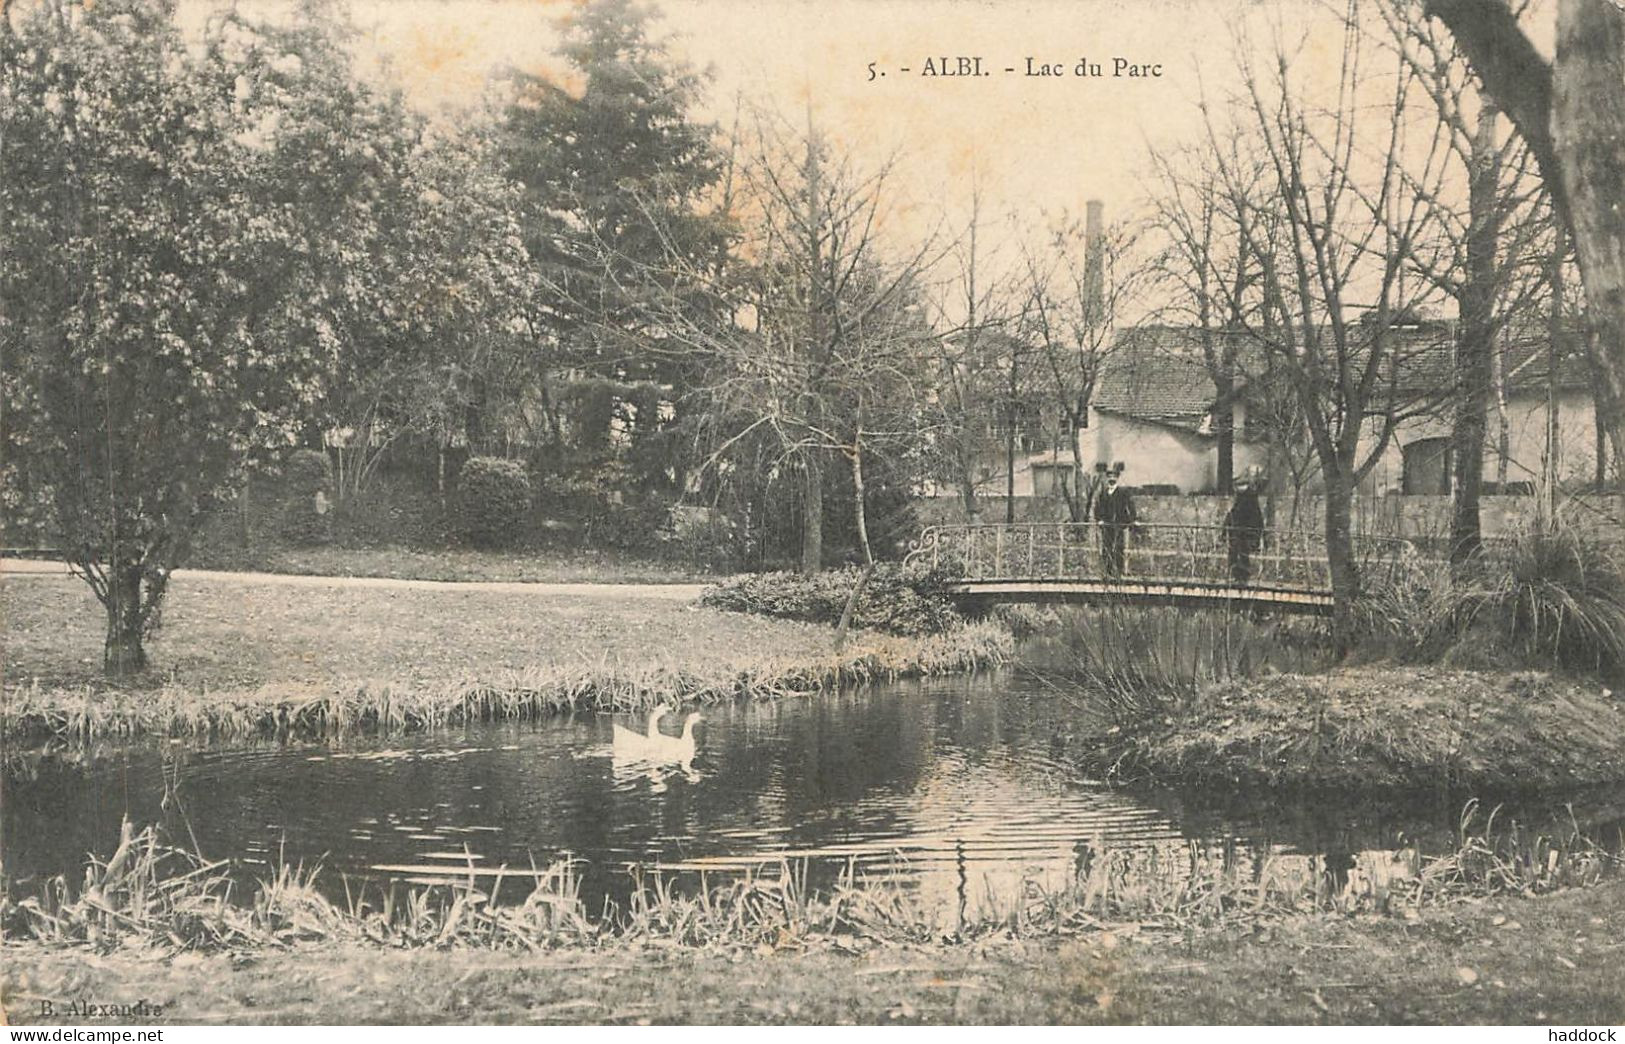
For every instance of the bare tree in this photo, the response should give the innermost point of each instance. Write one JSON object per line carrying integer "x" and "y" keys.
{"x": 832, "y": 315}
{"x": 974, "y": 352}
{"x": 1331, "y": 230}
{"x": 823, "y": 354}
{"x": 1485, "y": 252}
{"x": 1571, "y": 112}
{"x": 1205, "y": 246}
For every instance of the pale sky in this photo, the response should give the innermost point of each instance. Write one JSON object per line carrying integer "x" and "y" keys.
{"x": 1037, "y": 143}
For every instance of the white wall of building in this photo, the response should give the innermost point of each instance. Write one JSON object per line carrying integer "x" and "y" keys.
{"x": 1526, "y": 442}
{"x": 1160, "y": 454}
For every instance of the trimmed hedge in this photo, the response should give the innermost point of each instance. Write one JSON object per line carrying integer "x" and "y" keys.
{"x": 493, "y": 501}
{"x": 907, "y": 600}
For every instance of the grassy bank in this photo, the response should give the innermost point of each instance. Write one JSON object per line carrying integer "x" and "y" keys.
{"x": 1511, "y": 958}
{"x": 239, "y": 656}
{"x": 149, "y": 892}
{"x": 1376, "y": 727}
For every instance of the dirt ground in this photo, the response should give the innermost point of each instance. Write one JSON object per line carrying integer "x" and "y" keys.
{"x": 1555, "y": 960}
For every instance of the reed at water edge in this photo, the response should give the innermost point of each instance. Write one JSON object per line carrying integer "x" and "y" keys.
{"x": 149, "y": 893}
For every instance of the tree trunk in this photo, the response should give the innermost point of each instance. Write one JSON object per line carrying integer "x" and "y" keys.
{"x": 862, "y": 518}
{"x": 1552, "y": 469}
{"x": 1224, "y": 430}
{"x": 1340, "y": 559}
{"x": 123, "y": 654}
{"x": 1475, "y": 347}
{"x": 1600, "y": 461}
{"x": 1010, "y": 447}
{"x": 245, "y": 512}
{"x": 1077, "y": 501}
{"x": 967, "y": 481}
{"x": 1588, "y": 134}
{"x": 812, "y": 516}
{"x": 1010, "y": 476}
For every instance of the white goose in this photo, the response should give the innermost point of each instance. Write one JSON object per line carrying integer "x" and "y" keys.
{"x": 656, "y": 746}
{"x": 629, "y": 740}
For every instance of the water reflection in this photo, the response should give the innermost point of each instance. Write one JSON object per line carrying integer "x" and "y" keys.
{"x": 956, "y": 787}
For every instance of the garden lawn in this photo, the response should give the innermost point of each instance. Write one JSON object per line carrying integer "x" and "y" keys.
{"x": 240, "y": 653}
{"x": 240, "y": 632}
{"x": 551, "y": 566}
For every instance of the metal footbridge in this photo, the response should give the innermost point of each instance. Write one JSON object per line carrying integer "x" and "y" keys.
{"x": 1160, "y": 564}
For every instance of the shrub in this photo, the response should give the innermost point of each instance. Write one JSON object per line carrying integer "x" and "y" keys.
{"x": 493, "y": 501}
{"x": 604, "y": 509}
{"x": 900, "y": 599}
{"x": 388, "y": 514}
{"x": 705, "y": 539}
{"x": 1028, "y": 621}
{"x": 306, "y": 515}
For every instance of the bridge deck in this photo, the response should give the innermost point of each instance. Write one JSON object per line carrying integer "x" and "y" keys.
{"x": 1142, "y": 592}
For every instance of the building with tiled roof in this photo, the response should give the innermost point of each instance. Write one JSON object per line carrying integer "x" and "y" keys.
{"x": 1154, "y": 407}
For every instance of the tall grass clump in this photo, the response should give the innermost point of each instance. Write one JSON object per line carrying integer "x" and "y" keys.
{"x": 1553, "y": 596}
{"x": 153, "y": 893}
{"x": 1418, "y": 614}
{"x": 1135, "y": 664}
{"x": 1562, "y": 595}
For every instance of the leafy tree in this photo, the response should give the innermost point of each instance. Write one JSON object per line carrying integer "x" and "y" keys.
{"x": 210, "y": 252}
{"x": 421, "y": 277}
{"x": 150, "y": 336}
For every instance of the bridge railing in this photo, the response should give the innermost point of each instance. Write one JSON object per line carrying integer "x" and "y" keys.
{"x": 1154, "y": 551}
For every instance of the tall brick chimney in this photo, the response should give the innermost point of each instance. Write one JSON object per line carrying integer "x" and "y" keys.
{"x": 1094, "y": 262}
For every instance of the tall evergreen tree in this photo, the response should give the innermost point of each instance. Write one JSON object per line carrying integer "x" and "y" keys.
{"x": 621, "y": 179}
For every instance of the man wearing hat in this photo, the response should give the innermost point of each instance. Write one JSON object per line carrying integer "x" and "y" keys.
{"x": 1244, "y": 530}
{"x": 1114, "y": 510}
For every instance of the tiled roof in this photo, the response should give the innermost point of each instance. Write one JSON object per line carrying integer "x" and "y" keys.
{"x": 1157, "y": 373}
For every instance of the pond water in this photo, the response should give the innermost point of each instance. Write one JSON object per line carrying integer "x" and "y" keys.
{"x": 956, "y": 786}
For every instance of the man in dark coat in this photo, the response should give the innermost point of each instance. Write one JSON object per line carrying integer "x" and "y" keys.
{"x": 1114, "y": 510}
{"x": 1244, "y": 531}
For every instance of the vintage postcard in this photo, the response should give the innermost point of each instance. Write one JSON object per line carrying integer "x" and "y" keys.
{"x": 764, "y": 512}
